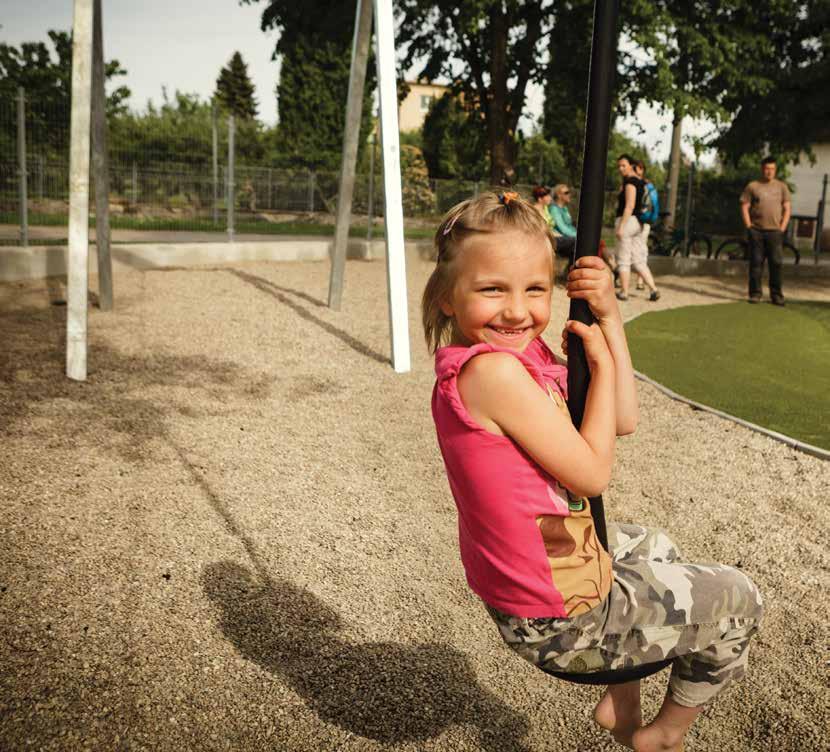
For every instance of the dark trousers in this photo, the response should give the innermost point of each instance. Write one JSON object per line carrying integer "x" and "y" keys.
{"x": 765, "y": 244}
{"x": 565, "y": 246}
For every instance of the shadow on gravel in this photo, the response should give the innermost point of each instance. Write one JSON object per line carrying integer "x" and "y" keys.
{"x": 119, "y": 406}
{"x": 384, "y": 690}
{"x": 734, "y": 297}
{"x": 275, "y": 291}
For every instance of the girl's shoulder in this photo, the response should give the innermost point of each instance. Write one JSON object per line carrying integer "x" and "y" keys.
{"x": 537, "y": 358}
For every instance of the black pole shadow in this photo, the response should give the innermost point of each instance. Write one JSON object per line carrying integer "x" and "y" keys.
{"x": 386, "y": 691}
{"x": 269, "y": 288}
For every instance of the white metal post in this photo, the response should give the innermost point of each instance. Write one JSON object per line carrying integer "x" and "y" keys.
{"x": 78, "y": 275}
{"x": 393, "y": 200}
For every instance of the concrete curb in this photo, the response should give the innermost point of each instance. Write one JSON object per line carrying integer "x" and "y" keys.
{"x": 703, "y": 267}
{"x": 801, "y": 446}
{"x": 36, "y": 262}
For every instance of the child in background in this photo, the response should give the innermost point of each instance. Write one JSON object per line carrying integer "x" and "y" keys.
{"x": 520, "y": 474}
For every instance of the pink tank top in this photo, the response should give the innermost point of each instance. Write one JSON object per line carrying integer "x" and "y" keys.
{"x": 528, "y": 546}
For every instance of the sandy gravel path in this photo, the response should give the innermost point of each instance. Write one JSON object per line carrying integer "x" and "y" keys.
{"x": 238, "y": 534}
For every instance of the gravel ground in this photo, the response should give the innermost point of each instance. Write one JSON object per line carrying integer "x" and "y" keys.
{"x": 238, "y": 534}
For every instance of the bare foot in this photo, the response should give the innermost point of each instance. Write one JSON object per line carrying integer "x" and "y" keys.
{"x": 651, "y": 739}
{"x": 667, "y": 731}
{"x": 618, "y": 711}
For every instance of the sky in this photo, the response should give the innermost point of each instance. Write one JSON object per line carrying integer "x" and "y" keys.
{"x": 183, "y": 44}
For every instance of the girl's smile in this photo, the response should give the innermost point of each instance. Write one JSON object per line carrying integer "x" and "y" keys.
{"x": 502, "y": 290}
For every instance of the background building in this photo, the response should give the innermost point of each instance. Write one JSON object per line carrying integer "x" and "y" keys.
{"x": 415, "y": 106}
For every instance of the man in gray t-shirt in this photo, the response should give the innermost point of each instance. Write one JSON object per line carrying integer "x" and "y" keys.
{"x": 765, "y": 210}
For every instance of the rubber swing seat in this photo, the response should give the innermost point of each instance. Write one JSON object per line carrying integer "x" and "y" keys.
{"x": 617, "y": 676}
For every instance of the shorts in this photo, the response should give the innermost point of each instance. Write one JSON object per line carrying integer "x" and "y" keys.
{"x": 659, "y": 607}
{"x": 631, "y": 250}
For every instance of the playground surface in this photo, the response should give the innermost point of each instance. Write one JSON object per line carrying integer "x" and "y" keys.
{"x": 237, "y": 534}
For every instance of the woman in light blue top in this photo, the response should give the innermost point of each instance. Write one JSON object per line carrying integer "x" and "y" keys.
{"x": 563, "y": 225}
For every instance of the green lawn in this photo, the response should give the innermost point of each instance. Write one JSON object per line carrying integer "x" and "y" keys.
{"x": 764, "y": 364}
{"x": 241, "y": 226}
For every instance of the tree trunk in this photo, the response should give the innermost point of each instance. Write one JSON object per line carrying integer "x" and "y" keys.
{"x": 674, "y": 170}
{"x": 500, "y": 134}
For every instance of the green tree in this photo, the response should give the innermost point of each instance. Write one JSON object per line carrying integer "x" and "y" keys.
{"x": 489, "y": 50}
{"x": 234, "y": 89}
{"x": 315, "y": 49}
{"x": 180, "y": 131}
{"x": 454, "y": 140}
{"x": 790, "y": 113}
{"x": 566, "y": 81}
{"x": 45, "y": 73}
{"x": 758, "y": 69}
{"x": 541, "y": 161}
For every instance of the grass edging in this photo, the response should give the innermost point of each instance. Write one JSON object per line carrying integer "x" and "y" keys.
{"x": 822, "y": 454}
{"x": 801, "y": 446}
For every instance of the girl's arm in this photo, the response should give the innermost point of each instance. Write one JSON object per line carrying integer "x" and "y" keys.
{"x": 591, "y": 281}
{"x": 502, "y": 397}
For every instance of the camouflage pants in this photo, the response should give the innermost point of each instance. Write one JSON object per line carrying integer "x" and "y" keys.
{"x": 659, "y": 607}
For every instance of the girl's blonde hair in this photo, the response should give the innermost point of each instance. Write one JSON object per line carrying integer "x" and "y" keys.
{"x": 488, "y": 212}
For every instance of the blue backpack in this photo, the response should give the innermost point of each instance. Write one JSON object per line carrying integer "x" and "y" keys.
{"x": 651, "y": 205}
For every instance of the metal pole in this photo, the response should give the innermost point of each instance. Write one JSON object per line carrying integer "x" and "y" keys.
{"x": 78, "y": 272}
{"x": 215, "y": 132}
{"x": 135, "y": 186}
{"x": 39, "y": 159}
{"x": 592, "y": 199}
{"x": 100, "y": 164}
{"x": 311, "y": 181}
{"x": 21, "y": 167}
{"x": 370, "y": 211}
{"x": 822, "y": 207}
{"x": 687, "y": 222}
{"x": 392, "y": 193}
{"x": 269, "y": 189}
{"x": 231, "y": 186}
{"x": 351, "y": 134}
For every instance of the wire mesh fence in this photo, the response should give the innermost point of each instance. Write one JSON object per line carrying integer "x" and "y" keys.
{"x": 191, "y": 176}
{"x": 187, "y": 179}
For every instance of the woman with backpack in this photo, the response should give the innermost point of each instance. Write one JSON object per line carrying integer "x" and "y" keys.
{"x": 651, "y": 207}
{"x": 632, "y": 251}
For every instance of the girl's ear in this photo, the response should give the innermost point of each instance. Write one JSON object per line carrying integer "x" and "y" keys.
{"x": 446, "y": 309}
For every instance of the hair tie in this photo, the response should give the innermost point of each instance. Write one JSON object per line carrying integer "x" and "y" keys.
{"x": 450, "y": 225}
{"x": 507, "y": 197}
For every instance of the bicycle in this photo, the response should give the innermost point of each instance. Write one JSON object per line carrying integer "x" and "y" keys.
{"x": 737, "y": 249}
{"x": 661, "y": 242}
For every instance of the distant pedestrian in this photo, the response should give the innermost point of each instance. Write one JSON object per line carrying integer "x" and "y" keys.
{"x": 765, "y": 210}
{"x": 651, "y": 207}
{"x": 632, "y": 252}
{"x": 563, "y": 225}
